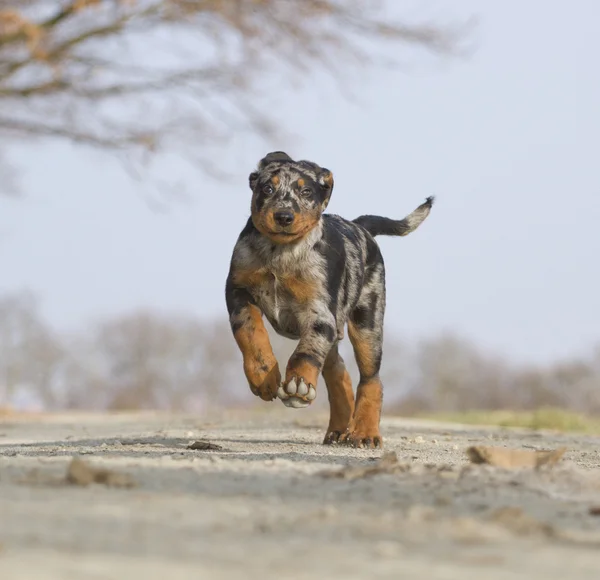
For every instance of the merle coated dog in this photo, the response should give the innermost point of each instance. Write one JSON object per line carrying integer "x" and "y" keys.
{"x": 311, "y": 274}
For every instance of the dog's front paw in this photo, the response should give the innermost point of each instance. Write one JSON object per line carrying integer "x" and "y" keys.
{"x": 263, "y": 380}
{"x": 296, "y": 393}
{"x": 298, "y": 390}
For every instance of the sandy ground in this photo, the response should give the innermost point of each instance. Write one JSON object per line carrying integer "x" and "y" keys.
{"x": 264, "y": 507}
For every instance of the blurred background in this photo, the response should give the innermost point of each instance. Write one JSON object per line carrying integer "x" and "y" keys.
{"x": 127, "y": 133}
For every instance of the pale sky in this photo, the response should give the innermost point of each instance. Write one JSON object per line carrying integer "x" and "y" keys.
{"x": 507, "y": 140}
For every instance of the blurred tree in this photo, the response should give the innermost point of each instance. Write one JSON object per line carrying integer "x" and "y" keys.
{"x": 147, "y": 361}
{"x": 148, "y": 76}
{"x": 150, "y": 360}
{"x": 455, "y": 376}
{"x": 31, "y": 355}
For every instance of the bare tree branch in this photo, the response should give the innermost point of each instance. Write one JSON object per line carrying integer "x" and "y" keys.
{"x": 104, "y": 72}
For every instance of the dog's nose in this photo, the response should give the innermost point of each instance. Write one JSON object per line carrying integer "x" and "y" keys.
{"x": 283, "y": 218}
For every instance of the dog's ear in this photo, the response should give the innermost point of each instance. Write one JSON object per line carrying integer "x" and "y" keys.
{"x": 272, "y": 157}
{"x": 253, "y": 179}
{"x": 325, "y": 179}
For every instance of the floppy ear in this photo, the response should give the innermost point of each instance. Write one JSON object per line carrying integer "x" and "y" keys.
{"x": 273, "y": 156}
{"x": 253, "y": 179}
{"x": 325, "y": 179}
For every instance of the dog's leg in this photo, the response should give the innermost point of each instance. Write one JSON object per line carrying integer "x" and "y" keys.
{"x": 341, "y": 396}
{"x": 260, "y": 364}
{"x": 363, "y": 430}
{"x": 305, "y": 364}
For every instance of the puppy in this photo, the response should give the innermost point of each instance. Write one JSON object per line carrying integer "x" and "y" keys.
{"x": 310, "y": 274}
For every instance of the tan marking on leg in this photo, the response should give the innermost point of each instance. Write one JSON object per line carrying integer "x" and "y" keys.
{"x": 364, "y": 350}
{"x": 260, "y": 364}
{"x": 341, "y": 396}
{"x": 363, "y": 430}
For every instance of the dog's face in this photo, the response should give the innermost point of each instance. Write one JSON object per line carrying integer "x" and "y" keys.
{"x": 288, "y": 197}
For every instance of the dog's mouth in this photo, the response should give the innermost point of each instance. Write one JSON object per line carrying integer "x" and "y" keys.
{"x": 282, "y": 235}
{"x": 285, "y": 234}
{"x": 286, "y": 237}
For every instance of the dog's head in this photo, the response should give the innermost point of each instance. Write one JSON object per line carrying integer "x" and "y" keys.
{"x": 288, "y": 197}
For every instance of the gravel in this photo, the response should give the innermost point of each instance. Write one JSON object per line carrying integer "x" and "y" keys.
{"x": 248, "y": 495}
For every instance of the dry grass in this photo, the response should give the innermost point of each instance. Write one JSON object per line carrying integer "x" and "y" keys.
{"x": 547, "y": 418}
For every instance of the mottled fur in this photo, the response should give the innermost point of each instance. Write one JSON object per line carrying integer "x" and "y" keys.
{"x": 311, "y": 274}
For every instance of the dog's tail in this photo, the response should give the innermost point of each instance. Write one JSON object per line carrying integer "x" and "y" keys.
{"x": 382, "y": 226}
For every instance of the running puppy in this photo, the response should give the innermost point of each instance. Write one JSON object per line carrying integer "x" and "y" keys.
{"x": 311, "y": 274}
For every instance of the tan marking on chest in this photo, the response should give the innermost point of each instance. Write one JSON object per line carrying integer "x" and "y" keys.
{"x": 303, "y": 290}
{"x": 251, "y": 278}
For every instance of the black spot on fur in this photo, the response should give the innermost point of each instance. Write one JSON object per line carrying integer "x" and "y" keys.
{"x": 235, "y": 326}
{"x": 333, "y": 250}
{"x": 305, "y": 356}
{"x": 248, "y": 229}
{"x": 259, "y": 201}
{"x": 236, "y": 299}
{"x": 360, "y": 316}
{"x": 373, "y": 252}
{"x": 325, "y": 330}
{"x": 280, "y": 156}
{"x": 253, "y": 179}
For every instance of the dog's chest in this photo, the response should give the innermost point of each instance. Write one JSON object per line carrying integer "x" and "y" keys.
{"x": 284, "y": 297}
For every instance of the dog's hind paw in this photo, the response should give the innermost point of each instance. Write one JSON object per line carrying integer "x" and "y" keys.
{"x": 362, "y": 438}
{"x": 297, "y": 394}
{"x": 332, "y": 437}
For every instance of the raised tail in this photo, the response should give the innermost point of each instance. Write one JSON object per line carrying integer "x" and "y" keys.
{"x": 382, "y": 226}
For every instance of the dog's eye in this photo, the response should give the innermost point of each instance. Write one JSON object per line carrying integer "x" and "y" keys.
{"x": 305, "y": 192}
{"x": 267, "y": 189}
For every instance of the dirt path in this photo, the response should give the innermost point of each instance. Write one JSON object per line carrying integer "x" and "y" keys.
{"x": 262, "y": 508}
